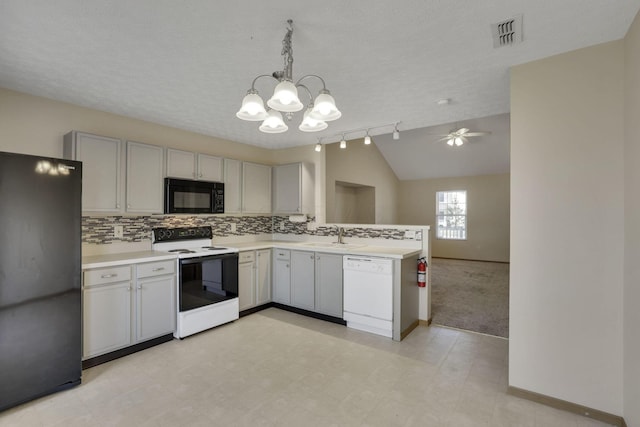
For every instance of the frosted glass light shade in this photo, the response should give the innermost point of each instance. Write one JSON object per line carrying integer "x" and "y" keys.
{"x": 450, "y": 142}
{"x": 459, "y": 141}
{"x": 311, "y": 125}
{"x": 367, "y": 140}
{"x": 273, "y": 123}
{"x": 324, "y": 108}
{"x": 285, "y": 98}
{"x": 343, "y": 144}
{"x": 318, "y": 147}
{"x": 252, "y": 108}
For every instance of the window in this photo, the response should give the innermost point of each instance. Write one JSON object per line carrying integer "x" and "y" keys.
{"x": 451, "y": 215}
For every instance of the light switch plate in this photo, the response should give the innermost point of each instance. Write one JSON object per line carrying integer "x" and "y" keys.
{"x": 118, "y": 231}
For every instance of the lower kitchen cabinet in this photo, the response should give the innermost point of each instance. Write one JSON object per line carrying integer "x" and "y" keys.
{"x": 303, "y": 280}
{"x": 282, "y": 276}
{"x": 329, "y": 284}
{"x": 127, "y": 305}
{"x": 308, "y": 280}
{"x": 254, "y": 278}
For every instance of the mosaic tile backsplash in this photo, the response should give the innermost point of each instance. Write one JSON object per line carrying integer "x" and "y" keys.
{"x": 99, "y": 229}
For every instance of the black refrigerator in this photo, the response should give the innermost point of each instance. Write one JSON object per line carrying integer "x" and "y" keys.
{"x": 40, "y": 277}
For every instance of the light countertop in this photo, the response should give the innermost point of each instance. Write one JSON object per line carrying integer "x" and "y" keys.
{"x": 111, "y": 260}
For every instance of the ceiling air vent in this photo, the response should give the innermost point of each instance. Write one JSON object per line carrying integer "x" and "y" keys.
{"x": 507, "y": 32}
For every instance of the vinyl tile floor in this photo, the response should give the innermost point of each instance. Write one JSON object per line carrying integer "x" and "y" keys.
{"x": 276, "y": 368}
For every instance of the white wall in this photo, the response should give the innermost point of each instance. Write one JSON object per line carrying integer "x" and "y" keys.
{"x": 567, "y": 227}
{"x": 632, "y": 227}
{"x": 487, "y": 215}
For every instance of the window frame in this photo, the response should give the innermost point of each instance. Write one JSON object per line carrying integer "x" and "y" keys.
{"x": 443, "y": 217}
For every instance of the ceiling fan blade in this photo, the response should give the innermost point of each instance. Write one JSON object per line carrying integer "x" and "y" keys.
{"x": 476, "y": 133}
{"x": 461, "y": 131}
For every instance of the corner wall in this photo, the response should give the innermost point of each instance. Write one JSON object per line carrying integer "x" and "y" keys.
{"x": 567, "y": 230}
{"x": 364, "y": 165}
{"x": 632, "y": 225}
{"x": 487, "y": 216}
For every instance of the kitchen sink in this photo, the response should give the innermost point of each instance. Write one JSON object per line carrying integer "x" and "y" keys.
{"x": 335, "y": 245}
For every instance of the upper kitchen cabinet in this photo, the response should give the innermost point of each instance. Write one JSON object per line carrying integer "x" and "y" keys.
{"x": 188, "y": 165}
{"x": 293, "y": 189}
{"x": 256, "y": 188}
{"x": 144, "y": 178}
{"x": 101, "y": 170}
{"x": 232, "y": 186}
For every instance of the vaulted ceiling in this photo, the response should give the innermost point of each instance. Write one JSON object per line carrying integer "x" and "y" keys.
{"x": 189, "y": 64}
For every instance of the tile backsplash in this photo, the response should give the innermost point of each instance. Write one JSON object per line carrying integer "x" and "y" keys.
{"x": 100, "y": 229}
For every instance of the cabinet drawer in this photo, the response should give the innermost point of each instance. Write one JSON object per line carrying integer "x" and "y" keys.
{"x": 282, "y": 254}
{"x": 100, "y": 276}
{"x": 159, "y": 268}
{"x": 246, "y": 256}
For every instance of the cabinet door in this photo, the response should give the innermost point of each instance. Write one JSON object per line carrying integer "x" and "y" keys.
{"x": 156, "y": 307}
{"x": 329, "y": 284}
{"x": 287, "y": 188}
{"x": 181, "y": 164}
{"x": 144, "y": 177}
{"x": 282, "y": 281}
{"x": 101, "y": 170}
{"x": 263, "y": 276}
{"x": 303, "y": 280}
{"x": 106, "y": 318}
{"x": 210, "y": 168}
{"x": 232, "y": 186}
{"x": 256, "y": 188}
{"x": 246, "y": 284}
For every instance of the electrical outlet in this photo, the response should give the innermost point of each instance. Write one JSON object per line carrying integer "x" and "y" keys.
{"x": 281, "y": 225}
{"x": 118, "y": 231}
{"x": 232, "y": 227}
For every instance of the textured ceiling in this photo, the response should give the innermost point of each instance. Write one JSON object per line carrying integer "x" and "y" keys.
{"x": 188, "y": 64}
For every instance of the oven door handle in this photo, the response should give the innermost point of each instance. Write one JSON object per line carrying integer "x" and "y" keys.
{"x": 198, "y": 260}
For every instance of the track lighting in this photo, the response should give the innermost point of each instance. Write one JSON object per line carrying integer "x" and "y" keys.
{"x": 396, "y": 133}
{"x": 319, "y": 146}
{"x": 285, "y": 99}
{"x": 343, "y": 143}
{"x": 367, "y": 139}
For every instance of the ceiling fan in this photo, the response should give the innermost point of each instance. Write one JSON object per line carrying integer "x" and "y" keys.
{"x": 459, "y": 136}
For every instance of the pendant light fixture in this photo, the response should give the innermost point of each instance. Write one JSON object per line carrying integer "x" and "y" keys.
{"x": 285, "y": 99}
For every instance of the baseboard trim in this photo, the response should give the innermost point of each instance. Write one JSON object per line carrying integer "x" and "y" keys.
{"x": 103, "y": 358}
{"x": 564, "y": 405}
{"x": 468, "y": 259}
{"x": 308, "y": 313}
{"x": 425, "y": 322}
{"x": 410, "y": 328}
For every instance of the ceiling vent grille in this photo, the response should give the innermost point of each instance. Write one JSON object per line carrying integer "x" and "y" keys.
{"x": 507, "y": 32}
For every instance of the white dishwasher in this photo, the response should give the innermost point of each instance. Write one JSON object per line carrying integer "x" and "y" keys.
{"x": 368, "y": 294}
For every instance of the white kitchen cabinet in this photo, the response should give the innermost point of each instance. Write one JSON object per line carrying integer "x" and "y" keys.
{"x": 254, "y": 278}
{"x": 145, "y": 190}
{"x": 126, "y": 305}
{"x": 232, "y": 186}
{"x": 246, "y": 280}
{"x": 189, "y": 165}
{"x": 256, "y": 188}
{"x": 303, "y": 280}
{"x": 106, "y": 310}
{"x": 328, "y": 284}
{"x": 263, "y": 276}
{"x": 293, "y": 189}
{"x": 101, "y": 159}
{"x": 281, "y": 276}
{"x": 155, "y": 299}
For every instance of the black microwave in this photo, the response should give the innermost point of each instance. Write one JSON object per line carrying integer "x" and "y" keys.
{"x": 193, "y": 197}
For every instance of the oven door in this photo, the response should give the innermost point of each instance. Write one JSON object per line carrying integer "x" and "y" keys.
{"x": 207, "y": 280}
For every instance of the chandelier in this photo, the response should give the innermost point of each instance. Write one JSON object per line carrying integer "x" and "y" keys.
{"x": 285, "y": 99}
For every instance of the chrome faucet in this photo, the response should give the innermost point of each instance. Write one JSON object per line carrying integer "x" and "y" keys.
{"x": 340, "y": 231}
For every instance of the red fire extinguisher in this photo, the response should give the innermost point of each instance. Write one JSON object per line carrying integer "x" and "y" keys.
{"x": 422, "y": 272}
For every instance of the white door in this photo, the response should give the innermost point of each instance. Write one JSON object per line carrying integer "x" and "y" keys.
{"x": 155, "y": 307}
{"x": 106, "y": 318}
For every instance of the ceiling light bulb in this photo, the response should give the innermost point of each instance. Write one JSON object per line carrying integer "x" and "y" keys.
{"x": 343, "y": 144}
{"x": 285, "y": 98}
{"x": 396, "y": 135}
{"x": 252, "y": 108}
{"x": 318, "y": 147}
{"x": 273, "y": 123}
{"x": 324, "y": 107}
{"x": 367, "y": 140}
{"x": 311, "y": 125}
{"x": 458, "y": 141}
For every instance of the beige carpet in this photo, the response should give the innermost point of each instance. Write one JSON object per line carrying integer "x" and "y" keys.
{"x": 471, "y": 295}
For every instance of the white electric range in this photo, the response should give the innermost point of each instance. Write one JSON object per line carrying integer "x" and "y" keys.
{"x": 207, "y": 278}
